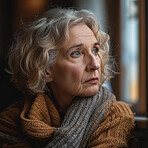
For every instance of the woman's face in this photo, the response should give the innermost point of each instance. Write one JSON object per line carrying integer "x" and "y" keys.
{"x": 77, "y": 70}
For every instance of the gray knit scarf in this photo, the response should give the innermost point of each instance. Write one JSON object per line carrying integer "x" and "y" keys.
{"x": 82, "y": 118}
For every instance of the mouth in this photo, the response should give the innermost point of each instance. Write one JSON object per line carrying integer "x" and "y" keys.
{"x": 92, "y": 81}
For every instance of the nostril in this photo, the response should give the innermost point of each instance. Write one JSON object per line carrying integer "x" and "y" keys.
{"x": 93, "y": 66}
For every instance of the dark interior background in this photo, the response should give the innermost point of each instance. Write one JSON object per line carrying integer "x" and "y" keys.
{"x": 14, "y": 12}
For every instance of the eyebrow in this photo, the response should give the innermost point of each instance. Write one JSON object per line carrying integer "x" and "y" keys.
{"x": 79, "y": 45}
{"x": 75, "y": 46}
{"x": 97, "y": 43}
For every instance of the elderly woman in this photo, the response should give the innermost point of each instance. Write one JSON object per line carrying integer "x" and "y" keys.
{"x": 60, "y": 61}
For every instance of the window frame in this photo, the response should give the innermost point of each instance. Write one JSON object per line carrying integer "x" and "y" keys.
{"x": 142, "y": 121}
{"x": 146, "y": 56}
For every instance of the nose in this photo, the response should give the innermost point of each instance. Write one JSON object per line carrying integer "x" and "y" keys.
{"x": 93, "y": 63}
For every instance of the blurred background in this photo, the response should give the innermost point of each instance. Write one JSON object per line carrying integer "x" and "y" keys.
{"x": 124, "y": 20}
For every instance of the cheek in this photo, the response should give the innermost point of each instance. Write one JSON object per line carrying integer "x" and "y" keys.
{"x": 77, "y": 74}
{"x": 71, "y": 74}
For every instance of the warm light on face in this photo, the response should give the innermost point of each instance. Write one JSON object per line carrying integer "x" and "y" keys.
{"x": 78, "y": 67}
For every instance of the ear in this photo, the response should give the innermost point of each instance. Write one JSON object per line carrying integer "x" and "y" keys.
{"x": 48, "y": 75}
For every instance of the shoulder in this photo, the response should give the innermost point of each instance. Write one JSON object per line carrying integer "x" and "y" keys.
{"x": 116, "y": 128}
{"x": 119, "y": 115}
{"x": 13, "y": 108}
{"x": 10, "y": 117}
{"x": 120, "y": 108}
{"x": 120, "y": 111}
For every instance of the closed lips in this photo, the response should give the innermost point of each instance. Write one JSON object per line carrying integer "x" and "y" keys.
{"x": 92, "y": 79}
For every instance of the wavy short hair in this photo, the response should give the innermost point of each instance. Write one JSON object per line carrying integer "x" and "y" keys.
{"x": 29, "y": 56}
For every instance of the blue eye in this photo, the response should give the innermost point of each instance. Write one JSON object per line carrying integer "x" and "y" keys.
{"x": 75, "y": 54}
{"x": 95, "y": 51}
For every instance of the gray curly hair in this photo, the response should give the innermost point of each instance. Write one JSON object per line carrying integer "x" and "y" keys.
{"x": 29, "y": 56}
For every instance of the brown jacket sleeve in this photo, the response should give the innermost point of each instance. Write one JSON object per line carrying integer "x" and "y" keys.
{"x": 116, "y": 128}
{"x": 10, "y": 126}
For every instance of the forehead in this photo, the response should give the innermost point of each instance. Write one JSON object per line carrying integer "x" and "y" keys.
{"x": 80, "y": 34}
{"x": 80, "y": 31}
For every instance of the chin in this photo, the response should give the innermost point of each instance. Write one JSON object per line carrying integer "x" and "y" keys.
{"x": 90, "y": 92}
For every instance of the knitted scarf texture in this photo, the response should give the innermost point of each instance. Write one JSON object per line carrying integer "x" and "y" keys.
{"x": 81, "y": 120}
{"x": 83, "y": 117}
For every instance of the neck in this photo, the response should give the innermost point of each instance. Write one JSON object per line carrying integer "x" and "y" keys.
{"x": 62, "y": 99}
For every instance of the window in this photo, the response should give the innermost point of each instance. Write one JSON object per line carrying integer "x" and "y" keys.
{"x": 130, "y": 51}
{"x": 133, "y": 55}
